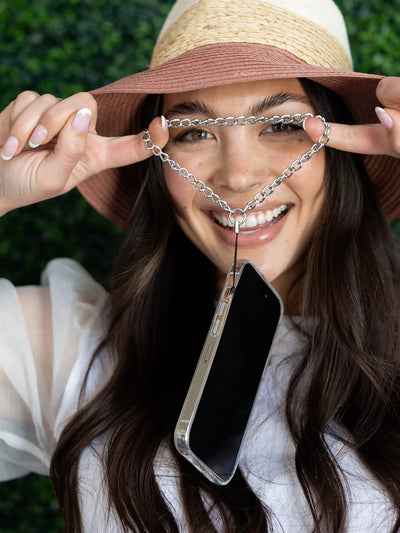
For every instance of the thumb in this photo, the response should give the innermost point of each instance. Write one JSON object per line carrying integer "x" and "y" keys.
{"x": 388, "y": 92}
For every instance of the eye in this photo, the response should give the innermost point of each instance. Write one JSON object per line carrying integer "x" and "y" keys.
{"x": 282, "y": 127}
{"x": 194, "y": 135}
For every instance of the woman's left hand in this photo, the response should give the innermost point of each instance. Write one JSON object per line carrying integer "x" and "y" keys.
{"x": 382, "y": 138}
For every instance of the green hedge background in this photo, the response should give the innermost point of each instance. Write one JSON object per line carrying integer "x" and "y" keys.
{"x": 66, "y": 46}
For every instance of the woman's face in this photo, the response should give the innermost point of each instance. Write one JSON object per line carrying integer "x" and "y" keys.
{"x": 237, "y": 162}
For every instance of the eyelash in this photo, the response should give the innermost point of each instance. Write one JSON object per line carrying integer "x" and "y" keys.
{"x": 295, "y": 127}
{"x": 182, "y": 137}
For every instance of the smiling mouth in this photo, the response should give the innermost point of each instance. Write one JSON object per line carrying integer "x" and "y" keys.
{"x": 254, "y": 221}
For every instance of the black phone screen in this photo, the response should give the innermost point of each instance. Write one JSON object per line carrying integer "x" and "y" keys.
{"x": 228, "y": 396}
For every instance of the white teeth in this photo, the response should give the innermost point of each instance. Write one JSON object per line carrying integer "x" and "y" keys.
{"x": 253, "y": 220}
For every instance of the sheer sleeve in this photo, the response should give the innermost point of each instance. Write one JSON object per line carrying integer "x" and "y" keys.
{"x": 46, "y": 334}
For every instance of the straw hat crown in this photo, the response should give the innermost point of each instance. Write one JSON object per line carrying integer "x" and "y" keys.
{"x": 312, "y": 30}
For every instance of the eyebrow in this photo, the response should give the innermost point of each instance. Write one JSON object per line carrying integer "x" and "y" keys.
{"x": 277, "y": 100}
{"x": 199, "y": 108}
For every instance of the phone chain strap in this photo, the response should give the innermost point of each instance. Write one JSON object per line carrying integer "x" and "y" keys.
{"x": 237, "y": 229}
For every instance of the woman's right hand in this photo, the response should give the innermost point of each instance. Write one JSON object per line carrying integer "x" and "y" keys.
{"x": 379, "y": 138}
{"x": 69, "y": 149}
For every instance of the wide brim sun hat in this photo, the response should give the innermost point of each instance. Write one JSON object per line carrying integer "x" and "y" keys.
{"x": 206, "y": 43}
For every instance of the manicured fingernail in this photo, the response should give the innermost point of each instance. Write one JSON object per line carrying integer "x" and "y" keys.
{"x": 9, "y": 148}
{"x": 164, "y": 123}
{"x": 82, "y": 120}
{"x": 384, "y": 118}
{"x": 38, "y": 136}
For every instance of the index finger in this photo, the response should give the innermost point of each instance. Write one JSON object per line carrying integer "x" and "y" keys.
{"x": 359, "y": 139}
{"x": 113, "y": 152}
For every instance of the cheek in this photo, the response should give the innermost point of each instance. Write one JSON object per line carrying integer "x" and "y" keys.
{"x": 309, "y": 183}
{"x": 180, "y": 190}
{"x": 309, "y": 188}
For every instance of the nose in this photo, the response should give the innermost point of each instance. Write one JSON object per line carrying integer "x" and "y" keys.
{"x": 240, "y": 167}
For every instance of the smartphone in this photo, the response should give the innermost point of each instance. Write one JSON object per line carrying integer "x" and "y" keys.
{"x": 214, "y": 417}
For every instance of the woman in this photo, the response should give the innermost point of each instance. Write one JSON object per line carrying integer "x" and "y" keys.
{"x": 95, "y": 384}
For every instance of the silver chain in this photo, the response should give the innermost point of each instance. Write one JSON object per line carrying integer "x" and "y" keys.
{"x": 258, "y": 198}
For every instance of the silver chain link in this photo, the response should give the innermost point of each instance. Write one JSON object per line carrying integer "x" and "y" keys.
{"x": 239, "y": 121}
{"x": 258, "y": 198}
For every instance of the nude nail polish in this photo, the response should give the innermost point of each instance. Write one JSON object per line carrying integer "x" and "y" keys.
{"x": 9, "y": 148}
{"x": 383, "y": 117}
{"x": 82, "y": 120}
{"x": 38, "y": 136}
{"x": 164, "y": 123}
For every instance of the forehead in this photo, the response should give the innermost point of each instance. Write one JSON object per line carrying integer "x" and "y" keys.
{"x": 235, "y": 98}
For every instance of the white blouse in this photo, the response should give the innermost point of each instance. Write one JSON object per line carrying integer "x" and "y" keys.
{"x": 41, "y": 374}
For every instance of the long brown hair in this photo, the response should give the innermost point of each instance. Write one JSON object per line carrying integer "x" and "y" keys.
{"x": 351, "y": 282}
